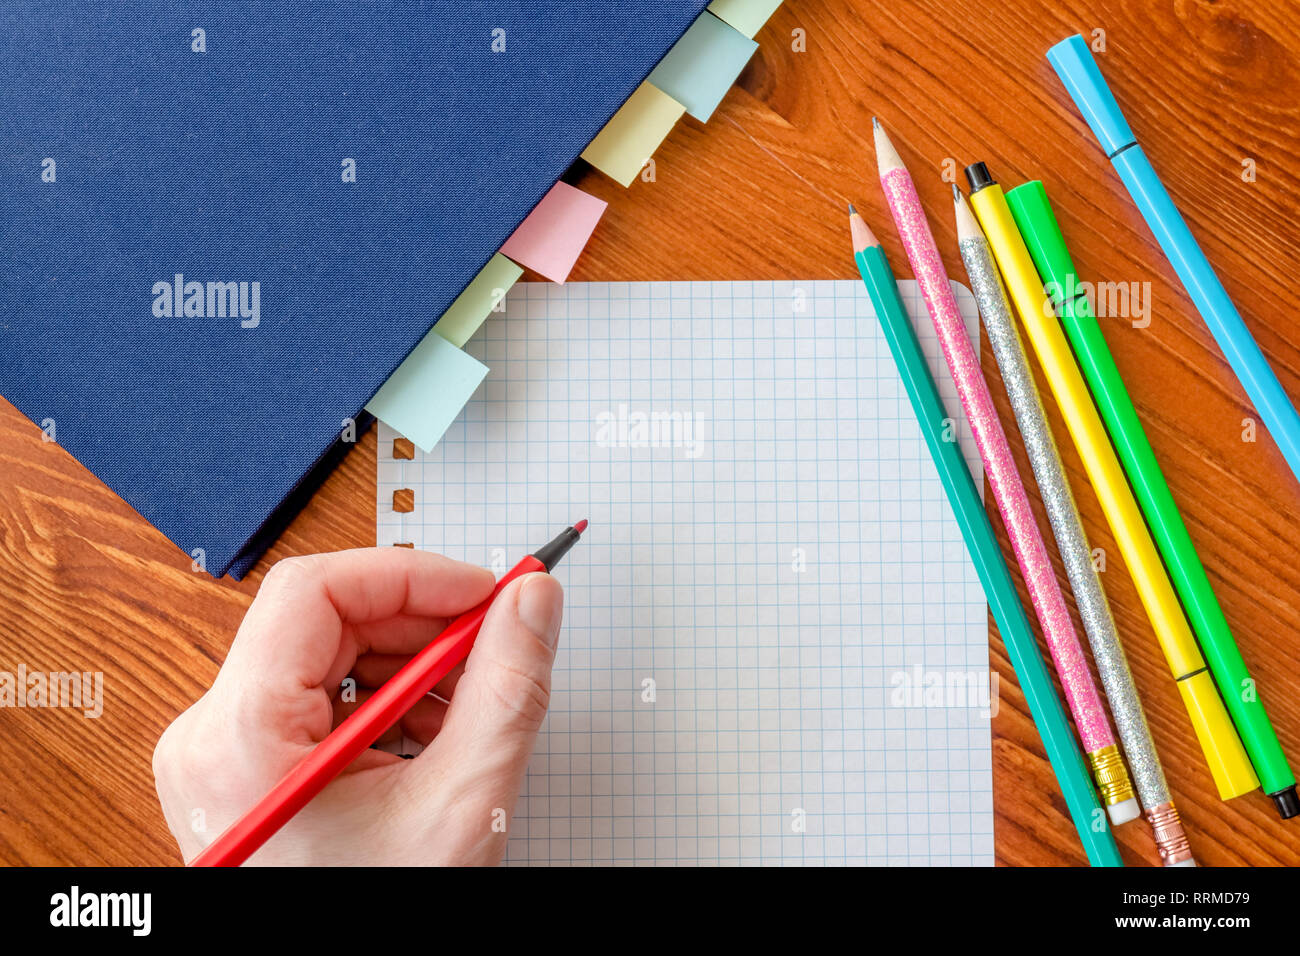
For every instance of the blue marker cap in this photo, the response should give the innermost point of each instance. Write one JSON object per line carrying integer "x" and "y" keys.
{"x": 1074, "y": 64}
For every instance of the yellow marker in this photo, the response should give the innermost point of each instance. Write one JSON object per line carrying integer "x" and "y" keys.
{"x": 1229, "y": 765}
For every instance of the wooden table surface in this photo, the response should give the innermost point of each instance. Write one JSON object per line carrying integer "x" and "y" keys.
{"x": 758, "y": 193}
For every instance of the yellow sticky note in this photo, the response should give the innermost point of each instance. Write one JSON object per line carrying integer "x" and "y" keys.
{"x": 633, "y": 133}
{"x": 747, "y": 16}
{"x": 485, "y": 291}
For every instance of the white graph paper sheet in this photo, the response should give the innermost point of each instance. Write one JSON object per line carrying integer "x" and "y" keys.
{"x": 775, "y": 646}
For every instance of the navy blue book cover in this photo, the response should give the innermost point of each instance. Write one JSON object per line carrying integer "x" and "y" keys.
{"x": 225, "y": 224}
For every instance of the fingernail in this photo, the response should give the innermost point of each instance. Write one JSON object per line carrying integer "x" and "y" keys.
{"x": 539, "y": 608}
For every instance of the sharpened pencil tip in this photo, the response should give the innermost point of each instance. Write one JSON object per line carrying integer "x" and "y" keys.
{"x": 852, "y": 211}
{"x": 887, "y": 157}
{"x": 862, "y": 237}
{"x": 967, "y": 227}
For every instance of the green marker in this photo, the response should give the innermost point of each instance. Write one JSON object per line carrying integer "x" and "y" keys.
{"x": 1022, "y": 647}
{"x": 1037, "y": 223}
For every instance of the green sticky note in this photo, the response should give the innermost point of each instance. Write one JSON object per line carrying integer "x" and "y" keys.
{"x": 428, "y": 390}
{"x": 703, "y": 64}
{"x": 634, "y": 133}
{"x": 747, "y": 16}
{"x": 464, "y": 316}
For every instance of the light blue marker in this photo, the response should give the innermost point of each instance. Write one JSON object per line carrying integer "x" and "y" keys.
{"x": 1074, "y": 64}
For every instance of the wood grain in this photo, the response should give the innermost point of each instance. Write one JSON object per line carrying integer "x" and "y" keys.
{"x": 86, "y": 584}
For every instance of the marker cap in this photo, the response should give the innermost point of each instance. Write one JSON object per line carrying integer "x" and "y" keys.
{"x": 1074, "y": 64}
{"x": 1229, "y": 765}
{"x": 978, "y": 177}
{"x": 1042, "y": 234}
{"x": 1287, "y": 803}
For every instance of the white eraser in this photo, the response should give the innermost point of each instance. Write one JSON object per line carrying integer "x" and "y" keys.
{"x": 1187, "y": 862}
{"x": 1124, "y": 812}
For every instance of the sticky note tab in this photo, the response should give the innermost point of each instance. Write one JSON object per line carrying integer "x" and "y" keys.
{"x": 634, "y": 133}
{"x": 703, "y": 64}
{"x": 747, "y": 16}
{"x": 550, "y": 240}
{"x": 427, "y": 392}
{"x": 484, "y": 293}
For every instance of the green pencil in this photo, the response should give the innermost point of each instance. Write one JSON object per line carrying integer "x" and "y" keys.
{"x": 1022, "y": 647}
{"x": 1042, "y": 234}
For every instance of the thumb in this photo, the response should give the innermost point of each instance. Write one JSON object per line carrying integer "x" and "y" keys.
{"x": 501, "y": 699}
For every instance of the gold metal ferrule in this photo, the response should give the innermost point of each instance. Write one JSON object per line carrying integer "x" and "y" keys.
{"x": 1111, "y": 774}
{"x": 1171, "y": 840}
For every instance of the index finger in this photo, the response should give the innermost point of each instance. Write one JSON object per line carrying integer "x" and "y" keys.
{"x": 293, "y": 632}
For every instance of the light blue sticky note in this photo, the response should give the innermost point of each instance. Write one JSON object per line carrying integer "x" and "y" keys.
{"x": 427, "y": 392}
{"x": 703, "y": 65}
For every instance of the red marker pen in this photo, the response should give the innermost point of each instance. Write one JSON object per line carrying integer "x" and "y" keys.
{"x": 350, "y": 739}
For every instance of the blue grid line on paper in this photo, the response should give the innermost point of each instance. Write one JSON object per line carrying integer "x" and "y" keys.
{"x": 773, "y": 686}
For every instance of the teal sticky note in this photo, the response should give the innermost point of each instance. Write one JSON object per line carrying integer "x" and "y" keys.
{"x": 703, "y": 65}
{"x": 428, "y": 390}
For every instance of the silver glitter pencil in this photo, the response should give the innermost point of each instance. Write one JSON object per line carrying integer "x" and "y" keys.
{"x": 1072, "y": 541}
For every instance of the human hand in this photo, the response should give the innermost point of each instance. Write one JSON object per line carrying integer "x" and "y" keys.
{"x": 318, "y": 620}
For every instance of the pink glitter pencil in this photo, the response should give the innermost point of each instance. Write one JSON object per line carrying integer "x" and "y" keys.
{"x": 1008, "y": 491}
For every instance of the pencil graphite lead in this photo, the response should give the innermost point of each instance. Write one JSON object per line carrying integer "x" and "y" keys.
{"x": 967, "y": 227}
{"x": 886, "y": 156}
{"x": 861, "y": 233}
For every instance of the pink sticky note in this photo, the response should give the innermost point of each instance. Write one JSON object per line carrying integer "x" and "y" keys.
{"x": 550, "y": 240}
